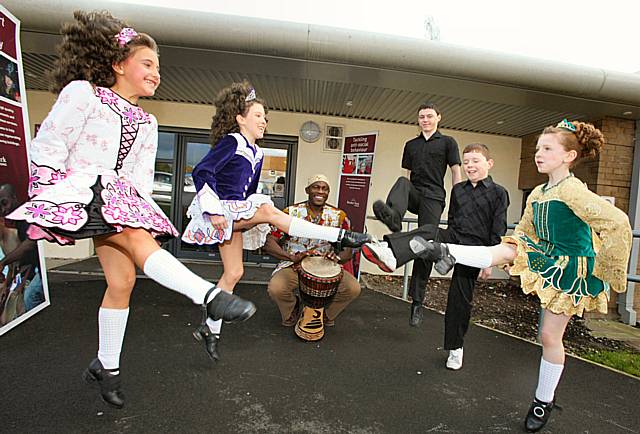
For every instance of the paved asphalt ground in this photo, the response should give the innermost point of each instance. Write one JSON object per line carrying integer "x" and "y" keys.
{"x": 372, "y": 373}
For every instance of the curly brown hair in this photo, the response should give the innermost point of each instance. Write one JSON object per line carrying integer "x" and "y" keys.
{"x": 587, "y": 141}
{"x": 230, "y": 102}
{"x": 89, "y": 48}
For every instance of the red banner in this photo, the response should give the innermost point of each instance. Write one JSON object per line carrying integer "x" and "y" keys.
{"x": 23, "y": 287}
{"x": 355, "y": 179}
{"x": 13, "y": 148}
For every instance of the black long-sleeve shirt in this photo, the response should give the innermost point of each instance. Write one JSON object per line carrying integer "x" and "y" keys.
{"x": 478, "y": 215}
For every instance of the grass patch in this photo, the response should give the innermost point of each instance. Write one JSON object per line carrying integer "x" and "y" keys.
{"x": 621, "y": 360}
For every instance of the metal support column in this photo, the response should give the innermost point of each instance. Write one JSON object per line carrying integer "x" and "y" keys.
{"x": 625, "y": 301}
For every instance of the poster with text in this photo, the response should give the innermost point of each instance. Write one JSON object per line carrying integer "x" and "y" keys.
{"x": 355, "y": 178}
{"x": 23, "y": 282}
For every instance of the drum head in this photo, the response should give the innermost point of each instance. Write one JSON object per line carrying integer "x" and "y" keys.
{"x": 320, "y": 266}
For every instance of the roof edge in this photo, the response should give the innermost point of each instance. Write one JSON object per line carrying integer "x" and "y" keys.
{"x": 207, "y": 30}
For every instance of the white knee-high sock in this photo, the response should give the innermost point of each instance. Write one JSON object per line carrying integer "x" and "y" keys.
{"x": 165, "y": 269}
{"x": 548, "y": 379}
{"x": 112, "y": 323}
{"x": 305, "y": 229}
{"x": 473, "y": 256}
{"x": 214, "y": 325}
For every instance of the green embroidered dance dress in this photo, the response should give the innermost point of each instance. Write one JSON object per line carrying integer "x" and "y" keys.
{"x": 573, "y": 248}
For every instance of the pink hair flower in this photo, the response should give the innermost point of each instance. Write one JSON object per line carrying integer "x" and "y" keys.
{"x": 125, "y": 35}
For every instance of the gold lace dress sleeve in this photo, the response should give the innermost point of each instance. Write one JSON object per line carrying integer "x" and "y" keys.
{"x": 611, "y": 231}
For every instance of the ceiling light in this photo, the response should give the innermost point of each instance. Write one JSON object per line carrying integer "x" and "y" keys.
{"x": 627, "y": 113}
{"x": 500, "y": 122}
{"x": 348, "y": 103}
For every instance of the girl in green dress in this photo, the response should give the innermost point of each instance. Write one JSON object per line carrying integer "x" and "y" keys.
{"x": 571, "y": 248}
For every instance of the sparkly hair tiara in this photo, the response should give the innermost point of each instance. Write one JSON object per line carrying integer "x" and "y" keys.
{"x": 566, "y": 125}
{"x": 251, "y": 96}
{"x": 125, "y": 35}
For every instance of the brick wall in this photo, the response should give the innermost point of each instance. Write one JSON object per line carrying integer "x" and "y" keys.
{"x": 607, "y": 175}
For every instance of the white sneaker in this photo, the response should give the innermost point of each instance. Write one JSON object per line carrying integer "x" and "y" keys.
{"x": 380, "y": 254}
{"x": 454, "y": 362}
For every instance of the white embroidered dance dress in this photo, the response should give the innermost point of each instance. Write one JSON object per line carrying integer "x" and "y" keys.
{"x": 92, "y": 165}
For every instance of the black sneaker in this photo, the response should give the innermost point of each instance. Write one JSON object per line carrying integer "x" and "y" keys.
{"x": 110, "y": 386}
{"x": 538, "y": 415}
{"x": 387, "y": 215}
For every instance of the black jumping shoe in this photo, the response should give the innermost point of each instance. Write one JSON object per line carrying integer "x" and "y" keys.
{"x": 433, "y": 251}
{"x": 387, "y": 215}
{"x": 353, "y": 239}
{"x": 110, "y": 386}
{"x": 211, "y": 341}
{"x": 228, "y": 307}
{"x": 538, "y": 415}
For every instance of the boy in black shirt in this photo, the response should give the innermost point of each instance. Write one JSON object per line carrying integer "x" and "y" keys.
{"x": 477, "y": 217}
{"x": 426, "y": 157}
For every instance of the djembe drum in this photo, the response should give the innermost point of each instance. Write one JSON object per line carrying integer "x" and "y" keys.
{"x": 319, "y": 278}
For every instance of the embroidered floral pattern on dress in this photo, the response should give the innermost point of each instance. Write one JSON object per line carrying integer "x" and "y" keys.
{"x": 69, "y": 216}
{"x": 200, "y": 231}
{"x": 42, "y": 177}
{"x": 131, "y": 116}
{"x": 123, "y": 207}
{"x": 88, "y": 132}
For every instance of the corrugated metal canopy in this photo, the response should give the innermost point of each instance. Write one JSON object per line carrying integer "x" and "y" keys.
{"x": 198, "y": 85}
{"x": 309, "y": 84}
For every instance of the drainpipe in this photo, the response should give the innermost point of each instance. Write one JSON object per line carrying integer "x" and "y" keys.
{"x": 625, "y": 301}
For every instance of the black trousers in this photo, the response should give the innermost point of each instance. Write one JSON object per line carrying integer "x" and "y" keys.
{"x": 404, "y": 196}
{"x": 463, "y": 281}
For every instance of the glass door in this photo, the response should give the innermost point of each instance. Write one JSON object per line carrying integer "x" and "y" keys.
{"x": 277, "y": 180}
{"x": 173, "y": 188}
{"x": 193, "y": 148}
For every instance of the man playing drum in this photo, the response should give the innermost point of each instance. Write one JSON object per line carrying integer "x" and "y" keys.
{"x": 284, "y": 282}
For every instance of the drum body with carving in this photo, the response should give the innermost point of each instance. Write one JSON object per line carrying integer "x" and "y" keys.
{"x": 319, "y": 278}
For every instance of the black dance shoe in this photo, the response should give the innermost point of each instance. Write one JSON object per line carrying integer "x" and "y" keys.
{"x": 417, "y": 314}
{"x": 228, "y": 307}
{"x": 211, "y": 341}
{"x": 438, "y": 253}
{"x": 353, "y": 239}
{"x": 387, "y": 215}
{"x": 538, "y": 415}
{"x": 109, "y": 383}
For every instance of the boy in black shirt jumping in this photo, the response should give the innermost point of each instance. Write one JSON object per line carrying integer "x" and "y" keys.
{"x": 477, "y": 217}
{"x": 426, "y": 157}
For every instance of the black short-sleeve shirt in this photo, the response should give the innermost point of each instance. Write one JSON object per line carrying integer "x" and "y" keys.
{"x": 428, "y": 160}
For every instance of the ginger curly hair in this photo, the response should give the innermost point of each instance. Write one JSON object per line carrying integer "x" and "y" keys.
{"x": 89, "y": 48}
{"x": 229, "y": 103}
{"x": 587, "y": 141}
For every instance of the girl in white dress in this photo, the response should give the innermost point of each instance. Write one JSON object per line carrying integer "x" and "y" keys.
{"x": 92, "y": 166}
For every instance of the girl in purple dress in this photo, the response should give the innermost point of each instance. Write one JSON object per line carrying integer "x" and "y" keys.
{"x": 227, "y": 211}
